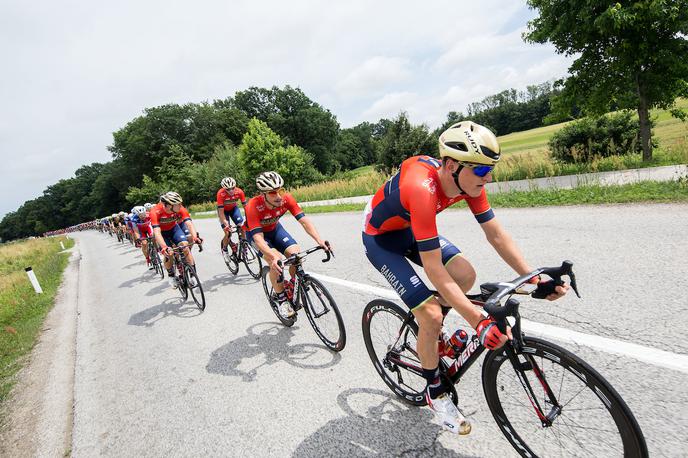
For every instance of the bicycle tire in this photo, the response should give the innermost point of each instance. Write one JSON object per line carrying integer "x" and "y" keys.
{"x": 197, "y": 290}
{"x": 251, "y": 259}
{"x": 387, "y": 370}
{"x": 552, "y": 359}
{"x": 231, "y": 262}
{"x": 319, "y": 309}
{"x": 270, "y": 295}
{"x": 157, "y": 263}
{"x": 181, "y": 281}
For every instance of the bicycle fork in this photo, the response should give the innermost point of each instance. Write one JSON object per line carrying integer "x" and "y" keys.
{"x": 530, "y": 364}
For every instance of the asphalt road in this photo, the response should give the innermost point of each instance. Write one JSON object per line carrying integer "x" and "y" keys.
{"x": 155, "y": 377}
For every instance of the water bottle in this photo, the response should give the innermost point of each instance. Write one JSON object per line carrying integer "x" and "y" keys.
{"x": 451, "y": 345}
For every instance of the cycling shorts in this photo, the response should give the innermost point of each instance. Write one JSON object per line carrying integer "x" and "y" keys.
{"x": 235, "y": 215}
{"x": 174, "y": 236}
{"x": 391, "y": 252}
{"x": 278, "y": 239}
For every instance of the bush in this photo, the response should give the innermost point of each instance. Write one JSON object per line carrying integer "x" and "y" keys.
{"x": 615, "y": 134}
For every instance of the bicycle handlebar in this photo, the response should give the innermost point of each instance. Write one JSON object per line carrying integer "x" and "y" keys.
{"x": 500, "y": 312}
{"x": 296, "y": 258}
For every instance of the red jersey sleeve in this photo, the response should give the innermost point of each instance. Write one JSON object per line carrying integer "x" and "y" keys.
{"x": 220, "y": 198}
{"x": 242, "y": 196}
{"x": 422, "y": 205}
{"x": 184, "y": 214}
{"x": 293, "y": 206}
{"x": 480, "y": 207}
{"x": 253, "y": 217}
{"x": 154, "y": 217}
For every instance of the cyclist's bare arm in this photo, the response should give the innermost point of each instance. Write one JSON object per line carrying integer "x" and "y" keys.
{"x": 310, "y": 229}
{"x": 192, "y": 230}
{"x": 447, "y": 287}
{"x": 507, "y": 249}
{"x": 505, "y": 246}
{"x": 221, "y": 216}
{"x": 158, "y": 237}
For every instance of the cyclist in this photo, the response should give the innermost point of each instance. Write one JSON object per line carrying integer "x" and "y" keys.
{"x": 228, "y": 197}
{"x": 400, "y": 226}
{"x": 167, "y": 219}
{"x": 142, "y": 229}
{"x": 267, "y": 234}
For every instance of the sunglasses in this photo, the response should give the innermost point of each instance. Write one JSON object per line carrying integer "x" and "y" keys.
{"x": 280, "y": 191}
{"x": 479, "y": 170}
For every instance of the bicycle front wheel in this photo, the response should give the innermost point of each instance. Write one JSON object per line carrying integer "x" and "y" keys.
{"x": 195, "y": 288}
{"x": 272, "y": 298}
{"x": 323, "y": 313}
{"x": 584, "y": 416}
{"x": 251, "y": 260}
{"x": 392, "y": 349}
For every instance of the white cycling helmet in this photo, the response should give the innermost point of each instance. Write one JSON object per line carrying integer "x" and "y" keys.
{"x": 139, "y": 209}
{"x": 148, "y": 206}
{"x": 269, "y": 181}
{"x": 468, "y": 142}
{"x": 171, "y": 198}
{"x": 228, "y": 183}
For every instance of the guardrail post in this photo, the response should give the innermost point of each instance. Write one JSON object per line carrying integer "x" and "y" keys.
{"x": 34, "y": 280}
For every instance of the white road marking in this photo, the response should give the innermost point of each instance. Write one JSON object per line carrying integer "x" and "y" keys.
{"x": 642, "y": 353}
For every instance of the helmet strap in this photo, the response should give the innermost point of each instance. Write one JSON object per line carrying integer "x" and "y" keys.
{"x": 456, "y": 178}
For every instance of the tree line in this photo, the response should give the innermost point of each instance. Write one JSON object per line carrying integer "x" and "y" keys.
{"x": 190, "y": 147}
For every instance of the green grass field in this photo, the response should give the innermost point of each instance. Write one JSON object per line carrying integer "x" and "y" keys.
{"x": 22, "y": 310}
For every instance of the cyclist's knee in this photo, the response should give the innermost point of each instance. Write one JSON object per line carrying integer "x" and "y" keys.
{"x": 429, "y": 316}
{"x": 462, "y": 272}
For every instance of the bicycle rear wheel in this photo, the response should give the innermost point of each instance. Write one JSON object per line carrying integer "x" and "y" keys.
{"x": 393, "y": 349}
{"x": 157, "y": 262}
{"x": 195, "y": 288}
{"x": 181, "y": 280}
{"x": 250, "y": 258}
{"x": 272, "y": 298}
{"x": 588, "y": 417}
{"x": 323, "y": 313}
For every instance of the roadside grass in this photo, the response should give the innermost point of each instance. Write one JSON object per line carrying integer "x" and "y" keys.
{"x": 22, "y": 310}
{"x": 646, "y": 191}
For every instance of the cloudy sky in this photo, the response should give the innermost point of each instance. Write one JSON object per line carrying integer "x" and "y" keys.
{"x": 73, "y": 71}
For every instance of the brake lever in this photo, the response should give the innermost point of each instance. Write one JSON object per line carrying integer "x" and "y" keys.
{"x": 329, "y": 253}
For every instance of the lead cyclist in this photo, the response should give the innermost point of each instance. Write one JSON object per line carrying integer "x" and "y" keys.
{"x": 400, "y": 226}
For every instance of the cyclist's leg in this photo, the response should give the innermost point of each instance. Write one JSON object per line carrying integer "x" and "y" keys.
{"x": 179, "y": 236}
{"x": 456, "y": 264}
{"x": 285, "y": 244}
{"x": 225, "y": 238}
{"x": 388, "y": 253}
{"x": 167, "y": 261}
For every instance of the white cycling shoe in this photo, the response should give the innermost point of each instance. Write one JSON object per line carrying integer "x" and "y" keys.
{"x": 448, "y": 414}
{"x": 285, "y": 309}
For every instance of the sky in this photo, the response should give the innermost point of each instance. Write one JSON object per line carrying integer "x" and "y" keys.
{"x": 73, "y": 72}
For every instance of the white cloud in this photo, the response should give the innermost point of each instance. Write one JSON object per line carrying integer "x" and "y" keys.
{"x": 391, "y": 104}
{"x": 373, "y": 75}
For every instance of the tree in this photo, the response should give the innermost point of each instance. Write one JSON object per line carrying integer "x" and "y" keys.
{"x": 632, "y": 54}
{"x": 402, "y": 140}
{"x": 263, "y": 150}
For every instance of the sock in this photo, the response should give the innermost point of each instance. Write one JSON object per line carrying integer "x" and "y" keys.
{"x": 434, "y": 387}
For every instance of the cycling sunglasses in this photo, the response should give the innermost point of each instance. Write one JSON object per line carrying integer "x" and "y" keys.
{"x": 280, "y": 191}
{"x": 479, "y": 170}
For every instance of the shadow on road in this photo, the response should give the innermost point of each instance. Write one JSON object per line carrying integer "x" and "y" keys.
{"x": 163, "y": 286}
{"x": 376, "y": 424}
{"x": 227, "y": 279}
{"x": 267, "y": 344}
{"x": 170, "y": 307}
{"x": 148, "y": 277}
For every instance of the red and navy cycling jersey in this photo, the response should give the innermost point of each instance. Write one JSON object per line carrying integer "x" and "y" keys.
{"x": 141, "y": 221}
{"x": 159, "y": 217}
{"x": 228, "y": 200}
{"x": 412, "y": 198}
{"x": 261, "y": 217}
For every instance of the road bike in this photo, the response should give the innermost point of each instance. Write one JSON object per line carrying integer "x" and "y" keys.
{"x": 307, "y": 293}
{"x": 186, "y": 277}
{"x": 546, "y": 400}
{"x": 154, "y": 256}
{"x": 244, "y": 252}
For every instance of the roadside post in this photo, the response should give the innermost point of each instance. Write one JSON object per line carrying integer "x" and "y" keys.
{"x": 34, "y": 280}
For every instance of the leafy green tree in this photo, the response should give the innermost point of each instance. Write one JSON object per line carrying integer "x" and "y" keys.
{"x": 630, "y": 54}
{"x": 262, "y": 150}
{"x": 402, "y": 140}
